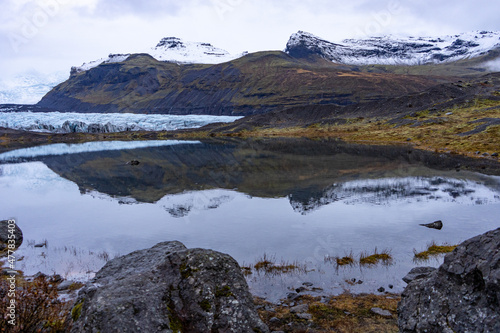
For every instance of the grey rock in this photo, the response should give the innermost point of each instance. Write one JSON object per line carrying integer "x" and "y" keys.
{"x": 494, "y": 155}
{"x": 381, "y": 312}
{"x": 4, "y": 236}
{"x": 418, "y": 273}
{"x": 64, "y": 285}
{"x": 274, "y": 321}
{"x": 434, "y": 225}
{"x": 306, "y": 316}
{"x": 308, "y": 284}
{"x": 381, "y": 289}
{"x": 167, "y": 288}
{"x": 461, "y": 296}
{"x": 292, "y": 296}
{"x": 299, "y": 308}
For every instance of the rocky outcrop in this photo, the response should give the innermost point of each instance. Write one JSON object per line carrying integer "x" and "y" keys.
{"x": 461, "y": 296}
{"x": 6, "y": 234}
{"x": 167, "y": 288}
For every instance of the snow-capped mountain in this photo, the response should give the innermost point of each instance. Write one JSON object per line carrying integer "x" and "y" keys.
{"x": 177, "y": 50}
{"x": 389, "y": 50}
{"x": 172, "y": 49}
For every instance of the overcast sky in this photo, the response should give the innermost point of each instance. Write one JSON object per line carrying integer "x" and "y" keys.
{"x": 52, "y": 35}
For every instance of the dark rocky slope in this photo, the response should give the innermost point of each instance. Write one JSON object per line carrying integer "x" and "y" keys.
{"x": 256, "y": 83}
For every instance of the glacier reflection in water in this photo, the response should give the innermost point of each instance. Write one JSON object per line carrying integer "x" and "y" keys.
{"x": 91, "y": 205}
{"x": 71, "y": 122}
{"x": 87, "y": 147}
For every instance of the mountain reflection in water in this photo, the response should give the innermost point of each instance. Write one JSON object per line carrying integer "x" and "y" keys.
{"x": 297, "y": 199}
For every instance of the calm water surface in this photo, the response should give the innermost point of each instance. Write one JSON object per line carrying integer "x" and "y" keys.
{"x": 289, "y": 200}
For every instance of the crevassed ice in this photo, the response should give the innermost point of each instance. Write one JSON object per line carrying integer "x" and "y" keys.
{"x": 87, "y": 147}
{"x": 72, "y": 122}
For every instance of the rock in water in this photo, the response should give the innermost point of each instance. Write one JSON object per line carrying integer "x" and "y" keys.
{"x": 434, "y": 225}
{"x": 167, "y": 288}
{"x": 461, "y": 296}
{"x": 5, "y": 233}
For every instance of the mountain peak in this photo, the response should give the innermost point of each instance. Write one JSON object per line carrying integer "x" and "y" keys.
{"x": 390, "y": 50}
{"x": 174, "y": 49}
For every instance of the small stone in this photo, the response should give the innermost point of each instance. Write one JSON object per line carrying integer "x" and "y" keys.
{"x": 381, "y": 312}
{"x": 408, "y": 139}
{"x": 299, "y": 308}
{"x": 486, "y": 154}
{"x": 133, "y": 162}
{"x": 494, "y": 154}
{"x": 391, "y": 286}
{"x": 274, "y": 321}
{"x": 292, "y": 296}
{"x": 360, "y": 282}
{"x": 478, "y": 152}
{"x": 300, "y": 289}
{"x": 64, "y": 285}
{"x": 40, "y": 245}
{"x": 306, "y": 316}
{"x": 418, "y": 273}
{"x": 307, "y": 284}
{"x": 56, "y": 278}
{"x": 449, "y": 113}
{"x": 381, "y": 289}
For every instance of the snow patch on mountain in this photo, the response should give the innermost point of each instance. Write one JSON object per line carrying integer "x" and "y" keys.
{"x": 110, "y": 59}
{"x": 390, "y": 50}
{"x": 72, "y": 122}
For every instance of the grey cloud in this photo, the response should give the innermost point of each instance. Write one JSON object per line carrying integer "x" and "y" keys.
{"x": 113, "y": 8}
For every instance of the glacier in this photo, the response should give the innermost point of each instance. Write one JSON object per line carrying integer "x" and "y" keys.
{"x": 29, "y": 87}
{"x": 72, "y": 122}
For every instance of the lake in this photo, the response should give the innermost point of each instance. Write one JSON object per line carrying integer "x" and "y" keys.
{"x": 290, "y": 201}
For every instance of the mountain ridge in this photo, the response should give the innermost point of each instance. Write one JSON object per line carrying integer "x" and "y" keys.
{"x": 388, "y": 50}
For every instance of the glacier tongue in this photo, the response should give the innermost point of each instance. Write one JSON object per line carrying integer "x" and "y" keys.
{"x": 71, "y": 122}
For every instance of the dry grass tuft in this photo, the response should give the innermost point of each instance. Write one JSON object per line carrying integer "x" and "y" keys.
{"x": 433, "y": 250}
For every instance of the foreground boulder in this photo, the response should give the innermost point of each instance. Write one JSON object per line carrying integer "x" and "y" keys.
{"x": 6, "y": 234}
{"x": 167, "y": 288}
{"x": 461, "y": 296}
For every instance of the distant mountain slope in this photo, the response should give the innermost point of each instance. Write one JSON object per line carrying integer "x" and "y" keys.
{"x": 389, "y": 50}
{"x": 255, "y": 83}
